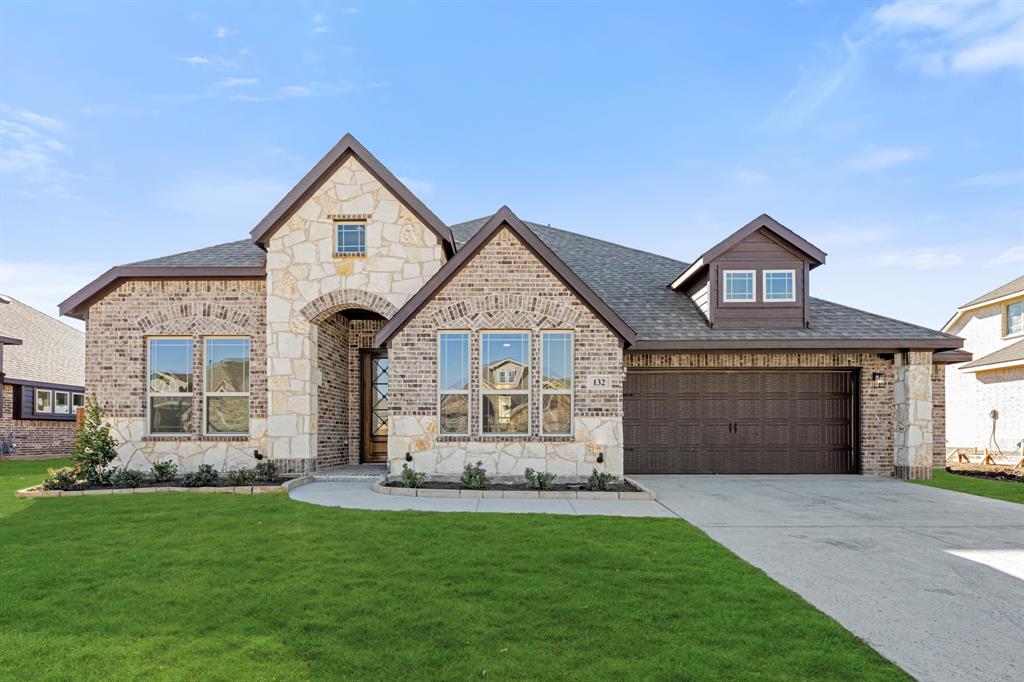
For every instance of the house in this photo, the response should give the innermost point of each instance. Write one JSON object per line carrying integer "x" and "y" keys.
{"x": 992, "y": 326}
{"x": 353, "y": 325}
{"x": 42, "y": 372}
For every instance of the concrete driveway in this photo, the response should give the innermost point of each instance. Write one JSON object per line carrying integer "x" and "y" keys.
{"x": 925, "y": 576}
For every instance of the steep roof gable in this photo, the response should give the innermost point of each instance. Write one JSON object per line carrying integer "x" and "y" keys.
{"x": 50, "y": 350}
{"x": 1008, "y": 291}
{"x": 505, "y": 218}
{"x": 348, "y": 146}
{"x": 764, "y": 221}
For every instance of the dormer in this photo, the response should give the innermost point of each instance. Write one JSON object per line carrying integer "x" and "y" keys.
{"x": 756, "y": 278}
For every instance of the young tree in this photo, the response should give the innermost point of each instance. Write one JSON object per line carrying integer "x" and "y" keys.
{"x": 95, "y": 448}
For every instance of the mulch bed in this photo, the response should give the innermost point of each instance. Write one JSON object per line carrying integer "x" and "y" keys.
{"x": 616, "y": 487}
{"x": 997, "y": 473}
{"x": 177, "y": 483}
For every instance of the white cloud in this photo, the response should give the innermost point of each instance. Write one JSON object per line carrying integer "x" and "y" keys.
{"x": 321, "y": 29}
{"x": 418, "y": 187}
{"x": 223, "y": 32}
{"x": 921, "y": 260}
{"x": 1005, "y": 50}
{"x": 996, "y": 179}
{"x": 352, "y": 10}
{"x": 195, "y": 60}
{"x": 40, "y": 121}
{"x": 294, "y": 91}
{"x": 238, "y": 82}
{"x": 1012, "y": 256}
{"x": 879, "y": 158}
{"x": 28, "y": 149}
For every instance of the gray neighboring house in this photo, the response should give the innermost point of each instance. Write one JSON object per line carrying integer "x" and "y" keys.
{"x": 42, "y": 372}
{"x": 355, "y": 326}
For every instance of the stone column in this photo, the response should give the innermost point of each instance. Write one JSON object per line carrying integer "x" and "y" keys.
{"x": 912, "y": 417}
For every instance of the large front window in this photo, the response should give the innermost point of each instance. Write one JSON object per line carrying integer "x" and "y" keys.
{"x": 556, "y": 382}
{"x": 1015, "y": 318}
{"x": 738, "y": 286}
{"x": 170, "y": 385}
{"x": 227, "y": 386}
{"x": 505, "y": 373}
{"x": 453, "y": 382}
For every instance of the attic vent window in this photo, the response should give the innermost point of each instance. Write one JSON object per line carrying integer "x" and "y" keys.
{"x": 351, "y": 239}
{"x": 778, "y": 285}
{"x": 739, "y": 286}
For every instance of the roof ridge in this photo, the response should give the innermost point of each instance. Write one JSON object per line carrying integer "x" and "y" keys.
{"x": 49, "y": 317}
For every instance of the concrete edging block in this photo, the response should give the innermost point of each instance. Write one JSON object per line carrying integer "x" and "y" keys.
{"x": 401, "y": 492}
{"x": 558, "y": 494}
{"x": 471, "y": 493}
{"x": 596, "y": 495}
{"x": 520, "y": 494}
{"x": 425, "y": 492}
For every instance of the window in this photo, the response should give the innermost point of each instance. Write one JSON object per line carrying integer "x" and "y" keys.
{"x": 739, "y": 286}
{"x": 1015, "y": 318}
{"x": 227, "y": 386}
{"x": 170, "y": 385}
{"x": 505, "y": 406}
{"x": 453, "y": 382}
{"x": 556, "y": 382}
{"x": 61, "y": 402}
{"x": 778, "y": 285}
{"x": 351, "y": 239}
{"x": 44, "y": 401}
{"x": 77, "y": 400}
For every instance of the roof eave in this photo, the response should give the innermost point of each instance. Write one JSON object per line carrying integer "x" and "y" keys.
{"x": 877, "y": 345}
{"x": 1006, "y": 364}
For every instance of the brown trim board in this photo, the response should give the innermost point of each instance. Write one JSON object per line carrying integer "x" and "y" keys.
{"x": 311, "y": 181}
{"x": 76, "y": 304}
{"x": 880, "y": 345}
{"x": 506, "y": 218}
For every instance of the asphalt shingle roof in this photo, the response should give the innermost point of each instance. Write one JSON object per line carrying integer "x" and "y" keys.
{"x": 635, "y": 283}
{"x": 50, "y": 351}
{"x": 1012, "y": 353}
{"x": 242, "y": 253}
{"x": 1005, "y": 290}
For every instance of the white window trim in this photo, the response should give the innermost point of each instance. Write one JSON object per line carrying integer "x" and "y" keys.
{"x": 226, "y": 394}
{"x": 76, "y": 395}
{"x": 67, "y": 403}
{"x": 518, "y": 391}
{"x": 571, "y": 391}
{"x": 35, "y": 399}
{"x": 337, "y": 238}
{"x": 1007, "y": 334}
{"x": 441, "y": 393}
{"x": 150, "y": 394}
{"x": 725, "y": 288}
{"x": 764, "y": 286}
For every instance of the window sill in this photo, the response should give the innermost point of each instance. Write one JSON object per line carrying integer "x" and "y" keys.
{"x": 505, "y": 438}
{"x": 194, "y": 437}
{"x": 350, "y": 255}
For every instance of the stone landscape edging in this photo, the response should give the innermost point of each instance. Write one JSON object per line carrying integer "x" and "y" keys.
{"x": 291, "y": 484}
{"x": 641, "y": 493}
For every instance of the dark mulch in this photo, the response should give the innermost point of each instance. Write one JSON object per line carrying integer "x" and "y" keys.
{"x": 997, "y": 473}
{"x": 616, "y": 487}
{"x": 177, "y": 483}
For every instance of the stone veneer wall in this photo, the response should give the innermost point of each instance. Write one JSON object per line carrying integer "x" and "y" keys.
{"x": 117, "y": 327}
{"x": 876, "y": 400}
{"x": 33, "y": 437}
{"x": 306, "y": 282}
{"x": 912, "y": 420}
{"x": 505, "y": 287}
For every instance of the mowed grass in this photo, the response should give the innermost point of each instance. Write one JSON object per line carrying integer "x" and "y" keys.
{"x": 181, "y": 586}
{"x": 997, "y": 490}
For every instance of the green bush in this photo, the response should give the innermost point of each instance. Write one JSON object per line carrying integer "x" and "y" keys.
{"x": 474, "y": 475}
{"x": 99, "y": 478}
{"x": 163, "y": 471}
{"x": 539, "y": 480}
{"x": 95, "y": 448}
{"x": 599, "y": 480}
{"x": 266, "y": 471}
{"x": 242, "y": 476}
{"x": 126, "y": 478}
{"x": 64, "y": 478}
{"x": 412, "y": 478}
{"x": 205, "y": 475}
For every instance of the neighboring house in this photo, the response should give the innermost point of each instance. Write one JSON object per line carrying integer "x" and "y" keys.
{"x": 992, "y": 326}
{"x": 42, "y": 370}
{"x": 355, "y": 326}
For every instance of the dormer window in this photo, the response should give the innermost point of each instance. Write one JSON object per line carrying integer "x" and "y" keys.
{"x": 1015, "y": 318}
{"x": 739, "y": 286}
{"x": 351, "y": 239}
{"x": 778, "y": 285}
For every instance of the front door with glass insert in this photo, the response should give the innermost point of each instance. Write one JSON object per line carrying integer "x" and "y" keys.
{"x": 374, "y": 407}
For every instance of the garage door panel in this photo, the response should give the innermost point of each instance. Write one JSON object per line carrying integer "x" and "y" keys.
{"x": 739, "y": 421}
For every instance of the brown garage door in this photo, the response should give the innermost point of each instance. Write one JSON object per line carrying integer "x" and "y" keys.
{"x": 739, "y": 422}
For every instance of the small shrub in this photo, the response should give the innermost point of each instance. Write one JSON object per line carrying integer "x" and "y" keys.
{"x": 126, "y": 478}
{"x": 412, "y": 478}
{"x": 474, "y": 475}
{"x": 599, "y": 480}
{"x": 97, "y": 478}
{"x": 539, "y": 480}
{"x": 95, "y": 448}
{"x": 205, "y": 475}
{"x": 266, "y": 471}
{"x": 242, "y": 477}
{"x": 163, "y": 471}
{"x": 64, "y": 478}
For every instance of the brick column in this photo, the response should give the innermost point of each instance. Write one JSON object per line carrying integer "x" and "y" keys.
{"x": 912, "y": 427}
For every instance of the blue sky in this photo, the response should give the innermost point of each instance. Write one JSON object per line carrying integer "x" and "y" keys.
{"x": 889, "y": 134}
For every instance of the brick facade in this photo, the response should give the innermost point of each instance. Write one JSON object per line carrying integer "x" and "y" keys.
{"x": 505, "y": 287}
{"x": 33, "y": 437}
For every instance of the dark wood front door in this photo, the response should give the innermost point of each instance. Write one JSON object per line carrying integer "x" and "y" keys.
{"x": 739, "y": 422}
{"x": 374, "y": 412}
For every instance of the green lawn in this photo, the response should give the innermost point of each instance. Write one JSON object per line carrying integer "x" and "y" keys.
{"x": 177, "y": 586}
{"x": 997, "y": 490}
